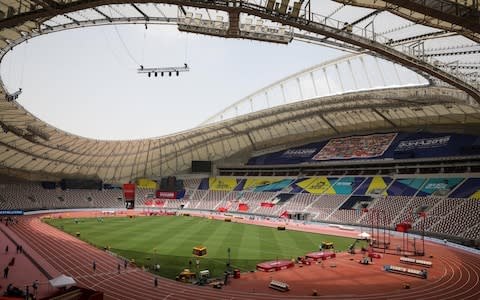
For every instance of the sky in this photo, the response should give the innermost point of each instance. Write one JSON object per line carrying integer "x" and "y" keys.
{"x": 84, "y": 81}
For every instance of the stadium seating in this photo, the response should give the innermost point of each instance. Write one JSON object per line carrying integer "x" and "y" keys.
{"x": 452, "y": 216}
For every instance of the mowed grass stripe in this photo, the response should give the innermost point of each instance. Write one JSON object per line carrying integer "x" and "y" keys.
{"x": 229, "y": 236}
{"x": 168, "y": 240}
{"x": 195, "y": 236}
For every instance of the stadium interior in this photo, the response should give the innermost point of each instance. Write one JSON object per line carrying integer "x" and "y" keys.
{"x": 392, "y": 128}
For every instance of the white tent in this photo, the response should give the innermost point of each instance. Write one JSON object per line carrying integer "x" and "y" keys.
{"x": 364, "y": 235}
{"x": 62, "y": 281}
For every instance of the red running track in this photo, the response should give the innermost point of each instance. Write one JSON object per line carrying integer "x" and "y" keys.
{"x": 458, "y": 274}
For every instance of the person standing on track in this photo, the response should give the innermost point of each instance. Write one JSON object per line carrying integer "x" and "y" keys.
{"x": 35, "y": 287}
{"x": 125, "y": 263}
{"x": 155, "y": 282}
{"x": 94, "y": 266}
{"x": 5, "y": 272}
{"x": 118, "y": 268}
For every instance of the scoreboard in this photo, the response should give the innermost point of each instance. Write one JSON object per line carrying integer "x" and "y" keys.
{"x": 129, "y": 195}
{"x": 171, "y": 184}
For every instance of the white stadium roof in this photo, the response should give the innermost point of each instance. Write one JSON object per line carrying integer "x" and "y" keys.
{"x": 431, "y": 47}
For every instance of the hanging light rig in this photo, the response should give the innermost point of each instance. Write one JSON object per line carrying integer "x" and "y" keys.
{"x": 165, "y": 71}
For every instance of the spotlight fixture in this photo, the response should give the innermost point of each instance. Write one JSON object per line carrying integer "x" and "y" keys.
{"x": 14, "y": 96}
{"x": 163, "y": 70}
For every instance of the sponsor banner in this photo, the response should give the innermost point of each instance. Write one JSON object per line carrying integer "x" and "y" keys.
{"x": 374, "y": 186}
{"x": 401, "y": 145}
{"x": 364, "y": 146}
{"x": 146, "y": 183}
{"x": 347, "y": 185}
{"x": 266, "y": 184}
{"x": 405, "y": 187}
{"x": 294, "y": 155}
{"x": 475, "y": 195}
{"x": 439, "y": 186}
{"x": 149, "y": 196}
{"x": 318, "y": 185}
{"x": 166, "y": 195}
{"x": 299, "y": 153}
{"x": 274, "y": 186}
{"x": 377, "y": 186}
{"x": 252, "y": 184}
{"x": 267, "y": 204}
{"x": 423, "y": 143}
{"x": 11, "y": 212}
{"x": 222, "y": 183}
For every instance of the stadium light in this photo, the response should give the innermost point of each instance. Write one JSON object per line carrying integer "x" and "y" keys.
{"x": 14, "y": 96}
{"x": 163, "y": 70}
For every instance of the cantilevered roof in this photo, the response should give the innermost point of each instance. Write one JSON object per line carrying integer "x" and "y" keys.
{"x": 440, "y": 43}
{"x": 61, "y": 154}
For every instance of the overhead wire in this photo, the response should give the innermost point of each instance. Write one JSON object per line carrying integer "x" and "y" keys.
{"x": 123, "y": 42}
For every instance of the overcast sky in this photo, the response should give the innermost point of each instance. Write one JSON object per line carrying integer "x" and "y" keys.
{"x": 84, "y": 81}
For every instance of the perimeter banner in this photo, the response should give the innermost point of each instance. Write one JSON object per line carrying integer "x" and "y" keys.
{"x": 11, "y": 212}
{"x": 222, "y": 183}
{"x": 166, "y": 195}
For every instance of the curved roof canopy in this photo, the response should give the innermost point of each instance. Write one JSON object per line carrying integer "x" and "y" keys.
{"x": 439, "y": 42}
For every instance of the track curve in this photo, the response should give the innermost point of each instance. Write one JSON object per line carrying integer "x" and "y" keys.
{"x": 458, "y": 273}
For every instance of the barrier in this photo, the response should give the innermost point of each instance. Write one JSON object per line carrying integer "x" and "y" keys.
{"x": 423, "y": 263}
{"x": 406, "y": 271}
{"x": 281, "y": 228}
{"x": 279, "y": 286}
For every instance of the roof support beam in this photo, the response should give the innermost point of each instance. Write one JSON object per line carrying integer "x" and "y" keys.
{"x": 104, "y": 15}
{"x": 301, "y": 23}
{"x": 384, "y": 118}
{"x": 251, "y": 141}
{"x": 72, "y": 19}
{"x": 147, "y": 18}
{"x": 436, "y": 12}
{"x": 329, "y": 124}
{"x": 47, "y": 4}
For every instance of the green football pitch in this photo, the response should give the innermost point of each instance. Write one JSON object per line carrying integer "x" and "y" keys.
{"x": 168, "y": 241}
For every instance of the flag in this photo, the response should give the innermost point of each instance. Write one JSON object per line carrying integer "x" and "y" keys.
{"x": 284, "y": 214}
